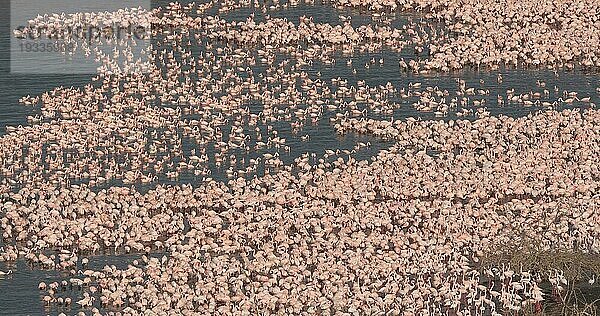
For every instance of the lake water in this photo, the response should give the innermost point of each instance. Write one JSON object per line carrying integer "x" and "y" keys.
{"x": 18, "y": 292}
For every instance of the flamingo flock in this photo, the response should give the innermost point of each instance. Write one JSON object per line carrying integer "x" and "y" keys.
{"x": 128, "y": 164}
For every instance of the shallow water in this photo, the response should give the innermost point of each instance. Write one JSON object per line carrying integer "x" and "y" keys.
{"x": 18, "y": 292}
